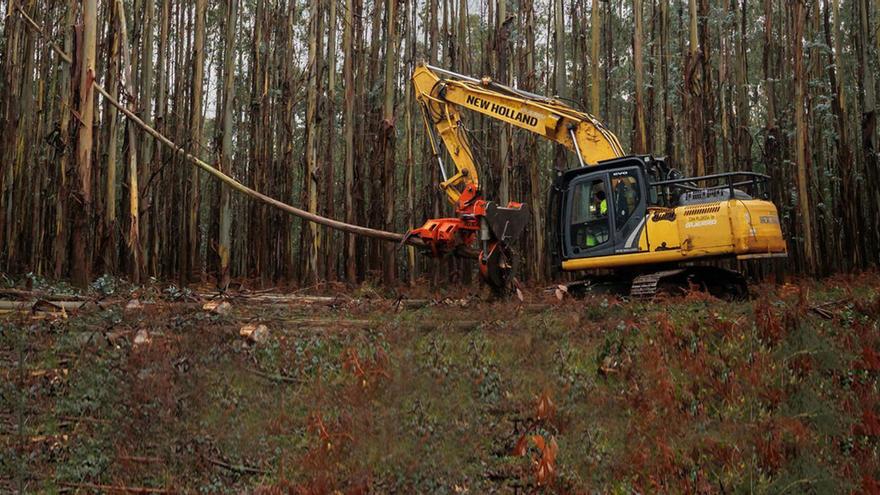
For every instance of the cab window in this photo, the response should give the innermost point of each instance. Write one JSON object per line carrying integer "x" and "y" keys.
{"x": 589, "y": 216}
{"x": 625, "y": 196}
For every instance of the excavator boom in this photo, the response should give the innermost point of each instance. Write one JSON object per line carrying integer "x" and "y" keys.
{"x": 443, "y": 93}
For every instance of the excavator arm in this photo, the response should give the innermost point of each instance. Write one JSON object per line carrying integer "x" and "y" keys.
{"x": 442, "y": 94}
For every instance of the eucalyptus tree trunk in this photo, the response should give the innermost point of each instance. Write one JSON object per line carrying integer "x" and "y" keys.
{"x": 694, "y": 96}
{"x": 110, "y": 222}
{"x": 11, "y": 98}
{"x": 311, "y": 150}
{"x": 349, "y": 124}
{"x": 724, "y": 80}
{"x": 502, "y": 36}
{"x": 60, "y": 250}
{"x": 82, "y": 260}
{"x": 640, "y": 144}
{"x": 669, "y": 133}
{"x": 463, "y": 53}
{"x": 852, "y": 252}
{"x": 707, "y": 94}
{"x": 595, "y": 32}
{"x": 146, "y": 149}
{"x": 742, "y": 137}
{"x": 559, "y": 73}
{"x": 388, "y": 135}
{"x": 867, "y": 91}
{"x": 134, "y": 242}
{"x": 432, "y": 208}
{"x": 537, "y": 267}
{"x": 801, "y": 145}
{"x": 160, "y": 226}
{"x": 772, "y": 149}
{"x": 330, "y": 138}
{"x": 224, "y": 247}
{"x": 410, "y": 18}
{"x": 195, "y": 131}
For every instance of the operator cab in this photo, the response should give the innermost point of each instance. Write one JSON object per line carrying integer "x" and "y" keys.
{"x": 601, "y": 208}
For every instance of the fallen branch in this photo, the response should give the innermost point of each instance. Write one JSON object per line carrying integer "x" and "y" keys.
{"x": 238, "y": 469}
{"x": 40, "y": 31}
{"x": 116, "y": 489}
{"x": 43, "y": 305}
{"x": 824, "y": 313}
{"x": 275, "y": 377}
{"x": 139, "y": 459}
{"x": 29, "y": 294}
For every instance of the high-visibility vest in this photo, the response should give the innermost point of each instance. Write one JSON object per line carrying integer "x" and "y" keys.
{"x": 591, "y": 240}
{"x": 603, "y": 207}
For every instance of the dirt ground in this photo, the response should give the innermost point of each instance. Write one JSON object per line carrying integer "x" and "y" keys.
{"x": 175, "y": 393}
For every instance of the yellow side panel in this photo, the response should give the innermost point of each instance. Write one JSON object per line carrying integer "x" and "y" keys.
{"x": 708, "y": 230}
{"x": 756, "y": 229}
{"x": 661, "y": 231}
{"x": 704, "y": 226}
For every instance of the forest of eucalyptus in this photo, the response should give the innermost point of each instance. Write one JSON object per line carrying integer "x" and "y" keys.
{"x": 309, "y": 102}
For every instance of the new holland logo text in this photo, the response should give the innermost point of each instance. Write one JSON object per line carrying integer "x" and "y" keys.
{"x": 700, "y": 223}
{"x": 502, "y": 111}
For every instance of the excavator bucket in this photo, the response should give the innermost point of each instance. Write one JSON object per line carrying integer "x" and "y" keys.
{"x": 507, "y": 223}
{"x": 498, "y": 261}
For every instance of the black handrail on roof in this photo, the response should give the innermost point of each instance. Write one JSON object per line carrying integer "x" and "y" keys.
{"x": 756, "y": 177}
{"x": 689, "y": 183}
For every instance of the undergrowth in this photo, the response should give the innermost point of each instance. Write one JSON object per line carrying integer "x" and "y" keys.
{"x": 778, "y": 394}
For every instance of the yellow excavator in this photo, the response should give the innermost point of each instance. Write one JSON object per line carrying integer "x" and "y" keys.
{"x": 630, "y": 216}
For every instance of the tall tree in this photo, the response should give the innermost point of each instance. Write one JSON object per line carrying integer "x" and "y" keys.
{"x": 742, "y": 136}
{"x": 225, "y": 241}
{"x": 82, "y": 264}
{"x": 707, "y": 109}
{"x": 134, "y": 242}
{"x": 694, "y": 95}
{"x": 529, "y": 151}
{"x": 330, "y": 139}
{"x": 61, "y": 208}
{"x": 867, "y": 91}
{"x": 348, "y": 135}
{"x": 502, "y": 37}
{"x": 850, "y": 201}
{"x": 410, "y": 17}
{"x": 640, "y": 144}
{"x": 665, "y": 61}
{"x": 595, "y": 31}
{"x": 147, "y": 82}
{"x": 559, "y": 77}
{"x": 388, "y": 135}
{"x": 110, "y": 225}
{"x": 195, "y": 134}
{"x": 797, "y": 19}
{"x": 311, "y": 151}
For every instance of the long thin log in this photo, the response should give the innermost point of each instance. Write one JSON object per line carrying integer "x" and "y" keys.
{"x": 238, "y": 469}
{"x": 28, "y": 305}
{"x": 238, "y": 186}
{"x": 116, "y": 489}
